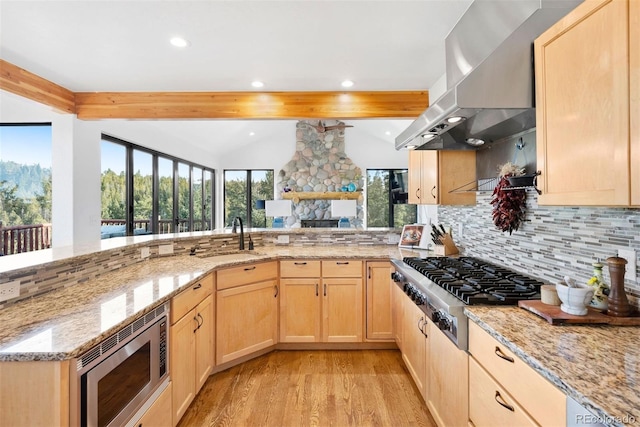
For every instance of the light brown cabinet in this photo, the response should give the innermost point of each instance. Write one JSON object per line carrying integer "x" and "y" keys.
{"x": 514, "y": 389}
{"x": 246, "y": 310}
{"x": 434, "y": 174}
{"x": 321, "y": 301}
{"x": 415, "y": 347}
{"x": 191, "y": 343}
{"x": 379, "y": 287}
{"x": 397, "y": 309}
{"x": 448, "y": 379}
{"x": 587, "y": 127}
{"x": 159, "y": 414}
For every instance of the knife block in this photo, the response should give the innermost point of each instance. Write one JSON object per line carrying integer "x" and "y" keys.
{"x": 447, "y": 247}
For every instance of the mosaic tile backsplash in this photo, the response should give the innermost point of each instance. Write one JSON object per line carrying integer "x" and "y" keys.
{"x": 553, "y": 242}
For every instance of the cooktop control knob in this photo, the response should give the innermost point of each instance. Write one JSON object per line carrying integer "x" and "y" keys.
{"x": 397, "y": 277}
{"x": 419, "y": 299}
{"x": 435, "y": 316}
{"x": 444, "y": 324}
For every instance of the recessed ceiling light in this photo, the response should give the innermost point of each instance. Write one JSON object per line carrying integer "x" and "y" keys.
{"x": 257, "y": 83}
{"x": 179, "y": 42}
{"x": 347, "y": 83}
{"x": 387, "y": 133}
{"x": 251, "y": 133}
{"x": 454, "y": 119}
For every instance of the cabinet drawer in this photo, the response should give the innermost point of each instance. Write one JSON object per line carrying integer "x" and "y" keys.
{"x": 341, "y": 268}
{"x": 539, "y": 397}
{"x": 246, "y": 274}
{"x": 490, "y": 405}
{"x": 300, "y": 268}
{"x": 186, "y": 300}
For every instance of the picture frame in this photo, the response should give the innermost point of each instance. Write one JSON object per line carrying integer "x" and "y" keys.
{"x": 413, "y": 236}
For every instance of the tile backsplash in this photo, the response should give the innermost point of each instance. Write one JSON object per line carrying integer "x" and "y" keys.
{"x": 552, "y": 242}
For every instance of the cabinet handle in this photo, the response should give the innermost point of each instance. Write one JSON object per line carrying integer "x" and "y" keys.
{"x": 325, "y": 289}
{"x": 432, "y": 192}
{"x": 369, "y": 274}
{"x": 418, "y": 193}
{"x": 299, "y": 263}
{"x": 342, "y": 263}
{"x": 316, "y": 289}
{"x": 420, "y": 324}
{"x": 276, "y": 295}
{"x": 250, "y": 268}
{"x": 501, "y": 355}
{"x": 502, "y": 402}
{"x": 197, "y": 323}
{"x": 201, "y": 318}
{"x": 198, "y": 286}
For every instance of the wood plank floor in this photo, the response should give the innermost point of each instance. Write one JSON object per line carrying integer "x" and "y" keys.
{"x": 312, "y": 388}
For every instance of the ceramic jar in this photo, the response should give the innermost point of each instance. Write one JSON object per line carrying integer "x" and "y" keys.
{"x": 599, "y": 301}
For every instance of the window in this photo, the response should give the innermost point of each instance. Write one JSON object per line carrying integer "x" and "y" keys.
{"x": 387, "y": 199}
{"x": 25, "y": 187}
{"x": 144, "y": 191}
{"x": 242, "y": 189}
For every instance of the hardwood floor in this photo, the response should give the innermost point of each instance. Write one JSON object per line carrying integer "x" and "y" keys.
{"x": 312, "y": 388}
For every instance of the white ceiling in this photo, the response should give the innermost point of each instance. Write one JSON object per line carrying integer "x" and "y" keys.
{"x": 303, "y": 45}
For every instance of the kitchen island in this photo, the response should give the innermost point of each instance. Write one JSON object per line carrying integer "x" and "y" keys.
{"x": 598, "y": 366}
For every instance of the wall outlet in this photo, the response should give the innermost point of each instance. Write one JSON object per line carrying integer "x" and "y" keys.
{"x": 9, "y": 290}
{"x": 630, "y": 256}
{"x": 144, "y": 252}
{"x": 283, "y": 238}
{"x": 165, "y": 249}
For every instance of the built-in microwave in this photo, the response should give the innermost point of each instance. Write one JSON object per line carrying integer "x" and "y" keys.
{"x": 118, "y": 376}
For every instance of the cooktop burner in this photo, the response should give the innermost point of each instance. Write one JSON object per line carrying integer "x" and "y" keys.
{"x": 474, "y": 281}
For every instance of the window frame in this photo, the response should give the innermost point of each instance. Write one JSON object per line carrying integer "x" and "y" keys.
{"x": 390, "y": 196}
{"x": 156, "y": 155}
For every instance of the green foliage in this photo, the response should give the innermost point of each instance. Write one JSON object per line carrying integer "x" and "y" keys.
{"x": 19, "y": 207}
{"x": 113, "y": 195}
{"x": 378, "y": 188}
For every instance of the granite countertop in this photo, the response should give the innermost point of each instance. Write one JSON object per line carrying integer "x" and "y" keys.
{"x": 65, "y": 323}
{"x": 598, "y": 366}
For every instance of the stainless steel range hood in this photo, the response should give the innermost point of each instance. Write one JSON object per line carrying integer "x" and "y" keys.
{"x": 490, "y": 77}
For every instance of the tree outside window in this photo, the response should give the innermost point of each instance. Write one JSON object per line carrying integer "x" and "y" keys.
{"x": 242, "y": 189}
{"x": 387, "y": 199}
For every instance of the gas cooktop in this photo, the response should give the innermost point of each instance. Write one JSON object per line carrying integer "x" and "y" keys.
{"x": 474, "y": 281}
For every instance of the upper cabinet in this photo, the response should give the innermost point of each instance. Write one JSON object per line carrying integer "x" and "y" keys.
{"x": 587, "y": 113}
{"x": 434, "y": 174}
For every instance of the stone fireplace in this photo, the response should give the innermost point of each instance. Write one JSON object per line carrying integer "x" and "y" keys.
{"x": 319, "y": 164}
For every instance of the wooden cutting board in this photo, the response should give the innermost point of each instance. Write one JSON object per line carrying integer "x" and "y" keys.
{"x": 555, "y": 316}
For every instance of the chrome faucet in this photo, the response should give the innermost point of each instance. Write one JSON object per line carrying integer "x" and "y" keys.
{"x": 239, "y": 220}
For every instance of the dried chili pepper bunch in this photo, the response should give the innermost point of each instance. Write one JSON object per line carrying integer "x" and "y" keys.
{"x": 508, "y": 206}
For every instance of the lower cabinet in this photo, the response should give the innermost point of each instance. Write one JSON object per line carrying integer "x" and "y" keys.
{"x": 397, "y": 314}
{"x": 191, "y": 343}
{"x": 415, "y": 349}
{"x": 379, "y": 287}
{"x": 448, "y": 379}
{"x": 247, "y": 320}
{"x": 159, "y": 414}
{"x": 505, "y": 391}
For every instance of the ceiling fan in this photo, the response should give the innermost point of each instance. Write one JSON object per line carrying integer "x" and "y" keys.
{"x": 321, "y": 127}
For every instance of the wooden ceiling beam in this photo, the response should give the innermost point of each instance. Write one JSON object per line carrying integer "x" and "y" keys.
{"x": 250, "y": 105}
{"x": 28, "y": 85}
{"x": 213, "y": 105}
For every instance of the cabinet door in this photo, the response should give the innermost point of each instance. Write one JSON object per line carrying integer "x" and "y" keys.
{"x": 159, "y": 414}
{"x": 415, "y": 178}
{"x": 398, "y": 314}
{"x": 379, "y": 286}
{"x": 246, "y": 320}
{"x": 634, "y": 91}
{"x": 342, "y": 310}
{"x": 300, "y": 310}
{"x": 204, "y": 342}
{"x": 182, "y": 360}
{"x": 583, "y": 123}
{"x": 414, "y": 344}
{"x": 456, "y": 169}
{"x": 448, "y": 378}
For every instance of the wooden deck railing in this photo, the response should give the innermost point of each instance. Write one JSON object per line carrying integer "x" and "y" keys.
{"x": 16, "y": 239}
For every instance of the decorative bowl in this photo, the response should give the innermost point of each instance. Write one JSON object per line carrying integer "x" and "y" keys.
{"x": 574, "y": 299}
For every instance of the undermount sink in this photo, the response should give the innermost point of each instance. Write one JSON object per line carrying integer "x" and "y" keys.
{"x": 229, "y": 256}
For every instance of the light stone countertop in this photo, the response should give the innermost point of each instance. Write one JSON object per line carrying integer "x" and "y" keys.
{"x": 65, "y": 323}
{"x": 599, "y": 366}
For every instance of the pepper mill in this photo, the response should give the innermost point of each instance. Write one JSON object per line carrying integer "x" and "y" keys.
{"x": 618, "y": 303}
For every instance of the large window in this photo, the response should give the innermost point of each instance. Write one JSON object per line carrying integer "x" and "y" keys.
{"x": 25, "y": 187}
{"x": 145, "y": 192}
{"x": 387, "y": 199}
{"x": 243, "y": 190}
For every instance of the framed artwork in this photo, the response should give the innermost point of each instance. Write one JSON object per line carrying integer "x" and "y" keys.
{"x": 413, "y": 236}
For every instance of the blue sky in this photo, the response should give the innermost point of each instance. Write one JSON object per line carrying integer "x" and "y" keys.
{"x": 29, "y": 145}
